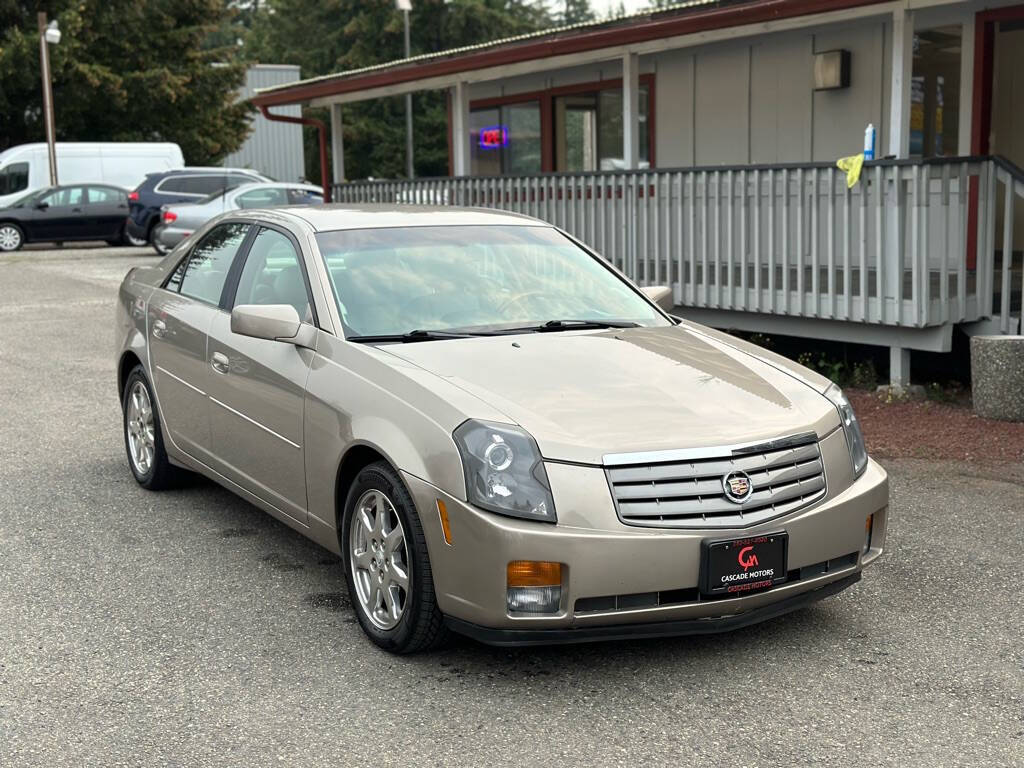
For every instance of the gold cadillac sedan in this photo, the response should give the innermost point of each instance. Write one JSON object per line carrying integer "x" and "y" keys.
{"x": 498, "y": 433}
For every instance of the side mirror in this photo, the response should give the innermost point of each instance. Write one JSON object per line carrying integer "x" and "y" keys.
{"x": 42, "y": 206}
{"x": 274, "y": 322}
{"x": 660, "y": 295}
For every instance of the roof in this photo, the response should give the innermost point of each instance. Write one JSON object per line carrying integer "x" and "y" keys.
{"x": 325, "y": 218}
{"x": 678, "y": 19}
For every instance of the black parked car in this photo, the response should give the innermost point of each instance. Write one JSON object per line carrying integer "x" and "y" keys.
{"x": 72, "y": 212}
{"x": 182, "y": 185}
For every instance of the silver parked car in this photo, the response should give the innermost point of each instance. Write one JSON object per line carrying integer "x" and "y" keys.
{"x": 179, "y": 220}
{"x": 497, "y": 431}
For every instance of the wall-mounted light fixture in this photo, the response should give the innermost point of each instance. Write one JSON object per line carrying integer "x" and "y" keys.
{"x": 831, "y": 70}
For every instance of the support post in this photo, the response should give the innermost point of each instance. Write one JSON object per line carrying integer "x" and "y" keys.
{"x": 899, "y": 93}
{"x": 337, "y": 144}
{"x": 899, "y": 368}
{"x": 898, "y": 146}
{"x": 460, "y": 129}
{"x": 631, "y": 111}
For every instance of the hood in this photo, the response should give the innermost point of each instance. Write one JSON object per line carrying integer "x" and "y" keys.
{"x": 584, "y": 394}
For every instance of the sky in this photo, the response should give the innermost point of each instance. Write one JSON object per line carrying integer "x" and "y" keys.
{"x": 603, "y": 7}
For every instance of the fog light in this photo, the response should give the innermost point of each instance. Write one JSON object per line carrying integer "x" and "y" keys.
{"x": 867, "y": 534}
{"x": 533, "y": 586}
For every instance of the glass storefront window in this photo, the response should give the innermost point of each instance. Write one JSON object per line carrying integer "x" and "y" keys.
{"x": 588, "y": 131}
{"x": 935, "y": 92}
{"x": 505, "y": 140}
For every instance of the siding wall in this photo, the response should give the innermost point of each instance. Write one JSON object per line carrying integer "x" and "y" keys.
{"x": 765, "y": 85}
{"x": 273, "y": 148}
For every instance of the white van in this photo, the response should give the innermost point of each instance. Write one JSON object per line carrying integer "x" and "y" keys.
{"x": 26, "y": 167}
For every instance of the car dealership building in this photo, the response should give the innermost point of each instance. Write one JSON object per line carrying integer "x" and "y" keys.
{"x": 696, "y": 146}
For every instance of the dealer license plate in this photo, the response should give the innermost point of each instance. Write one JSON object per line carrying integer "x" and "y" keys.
{"x": 735, "y": 567}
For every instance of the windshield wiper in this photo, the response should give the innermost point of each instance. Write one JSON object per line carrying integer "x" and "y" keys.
{"x": 573, "y": 325}
{"x": 412, "y": 336}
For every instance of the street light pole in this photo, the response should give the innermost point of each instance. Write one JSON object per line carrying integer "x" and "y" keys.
{"x": 47, "y": 33}
{"x": 405, "y": 6}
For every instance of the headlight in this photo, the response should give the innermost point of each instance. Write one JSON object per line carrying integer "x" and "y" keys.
{"x": 851, "y": 427}
{"x": 504, "y": 470}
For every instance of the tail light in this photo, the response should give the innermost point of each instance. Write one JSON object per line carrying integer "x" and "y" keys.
{"x": 170, "y": 216}
{"x": 133, "y": 196}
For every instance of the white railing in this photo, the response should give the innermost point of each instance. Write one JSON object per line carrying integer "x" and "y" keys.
{"x": 895, "y": 250}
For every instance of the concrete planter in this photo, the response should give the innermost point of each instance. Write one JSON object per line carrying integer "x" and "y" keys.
{"x": 997, "y": 377}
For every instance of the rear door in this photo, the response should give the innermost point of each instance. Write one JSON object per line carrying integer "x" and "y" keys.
{"x": 107, "y": 209}
{"x": 257, "y": 388}
{"x": 179, "y": 318}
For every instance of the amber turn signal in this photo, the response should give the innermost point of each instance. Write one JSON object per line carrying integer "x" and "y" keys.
{"x": 446, "y": 527}
{"x": 534, "y": 573}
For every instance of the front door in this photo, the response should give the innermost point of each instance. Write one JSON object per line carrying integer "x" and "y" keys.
{"x": 178, "y": 320}
{"x": 257, "y": 387}
{"x": 58, "y": 214}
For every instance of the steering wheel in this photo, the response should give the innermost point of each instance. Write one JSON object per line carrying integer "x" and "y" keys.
{"x": 519, "y": 297}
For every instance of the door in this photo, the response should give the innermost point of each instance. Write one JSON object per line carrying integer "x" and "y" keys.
{"x": 257, "y": 387}
{"x": 107, "y": 209}
{"x": 178, "y": 321}
{"x": 59, "y": 214}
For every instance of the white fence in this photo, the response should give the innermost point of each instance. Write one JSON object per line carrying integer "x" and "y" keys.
{"x": 912, "y": 244}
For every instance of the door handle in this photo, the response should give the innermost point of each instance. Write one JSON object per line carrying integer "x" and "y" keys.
{"x": 76, "y": 210}
{"x": 220, "y": 362}
{"x": 159, "y": 328}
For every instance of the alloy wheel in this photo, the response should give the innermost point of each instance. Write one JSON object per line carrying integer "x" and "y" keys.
{"x": 10, "y": 238}
{"x": 140, "y": 428}
{"x": 379, "y": 560}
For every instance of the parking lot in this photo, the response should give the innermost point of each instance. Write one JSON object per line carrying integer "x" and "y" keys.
{"x": 189, "y": 628}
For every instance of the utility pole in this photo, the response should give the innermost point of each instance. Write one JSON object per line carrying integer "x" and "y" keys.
{"x": 48, "y": 34}
{"x": 405, "y": 6}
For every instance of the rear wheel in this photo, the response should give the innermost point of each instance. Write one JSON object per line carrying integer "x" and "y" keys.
{"x": 142, "y": 435}
{"x": 11, "y": 237}
{"x": 387, "y": 568}
{"x": 127, "y": 238}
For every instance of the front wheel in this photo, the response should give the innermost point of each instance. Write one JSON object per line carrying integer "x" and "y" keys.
{"x": 387, "y": 568}
{"x": 142, "y": 435}
{"x": 11, "y": 237}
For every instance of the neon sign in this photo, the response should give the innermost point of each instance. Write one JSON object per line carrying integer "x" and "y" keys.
{"x": 493, "y": 137}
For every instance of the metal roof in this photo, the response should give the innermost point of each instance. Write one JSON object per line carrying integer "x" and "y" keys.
{"x": 529, "y": 36}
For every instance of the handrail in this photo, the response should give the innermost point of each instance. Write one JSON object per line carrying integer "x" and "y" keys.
{"x": 820, "y": 165}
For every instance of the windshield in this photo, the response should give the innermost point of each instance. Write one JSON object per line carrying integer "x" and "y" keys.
{"x": 23, "y": 201}
{"x": 483, "y": 278}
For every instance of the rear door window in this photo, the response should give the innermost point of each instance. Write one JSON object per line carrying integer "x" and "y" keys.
{"x": 203, "y": 275}
{"x": 200, "y": 185}
{"x": 261, "y": 198}
{"x": 105, "y": 195}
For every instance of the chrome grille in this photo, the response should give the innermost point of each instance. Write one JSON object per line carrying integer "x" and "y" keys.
{"x": 786, "y": 475}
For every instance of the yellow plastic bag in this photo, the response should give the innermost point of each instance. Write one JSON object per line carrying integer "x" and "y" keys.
{"x": 852, "y": 166}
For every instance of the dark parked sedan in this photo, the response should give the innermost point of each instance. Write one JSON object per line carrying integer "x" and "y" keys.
{"x": 56, "y": 214}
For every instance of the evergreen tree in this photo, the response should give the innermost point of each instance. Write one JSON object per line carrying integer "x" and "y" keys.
{"x": 125, "y": 70}
{"x": 577, "y": 12}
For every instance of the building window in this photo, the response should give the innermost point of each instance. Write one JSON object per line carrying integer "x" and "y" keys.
{"x": 935, "y": 92}
{"x": 588, "y": 131}
{"x": 505, "y": 140}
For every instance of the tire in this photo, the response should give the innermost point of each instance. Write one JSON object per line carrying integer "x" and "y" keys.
{"x": 11, "y": 236}
{"x": 129, "y": 239}
{"x": 419, "y": 626}
{"x": 159, "y": 247}
{"x": 143, "y": 437}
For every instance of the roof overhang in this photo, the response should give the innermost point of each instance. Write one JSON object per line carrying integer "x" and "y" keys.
{"x": 573, "y": 47}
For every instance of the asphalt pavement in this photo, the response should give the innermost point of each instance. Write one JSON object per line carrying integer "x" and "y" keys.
{"x": 187, "y": 628}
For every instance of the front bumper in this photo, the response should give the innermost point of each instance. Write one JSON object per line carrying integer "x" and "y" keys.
{"x": 516, "y": 637}
{"x": 624, "y": 579}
